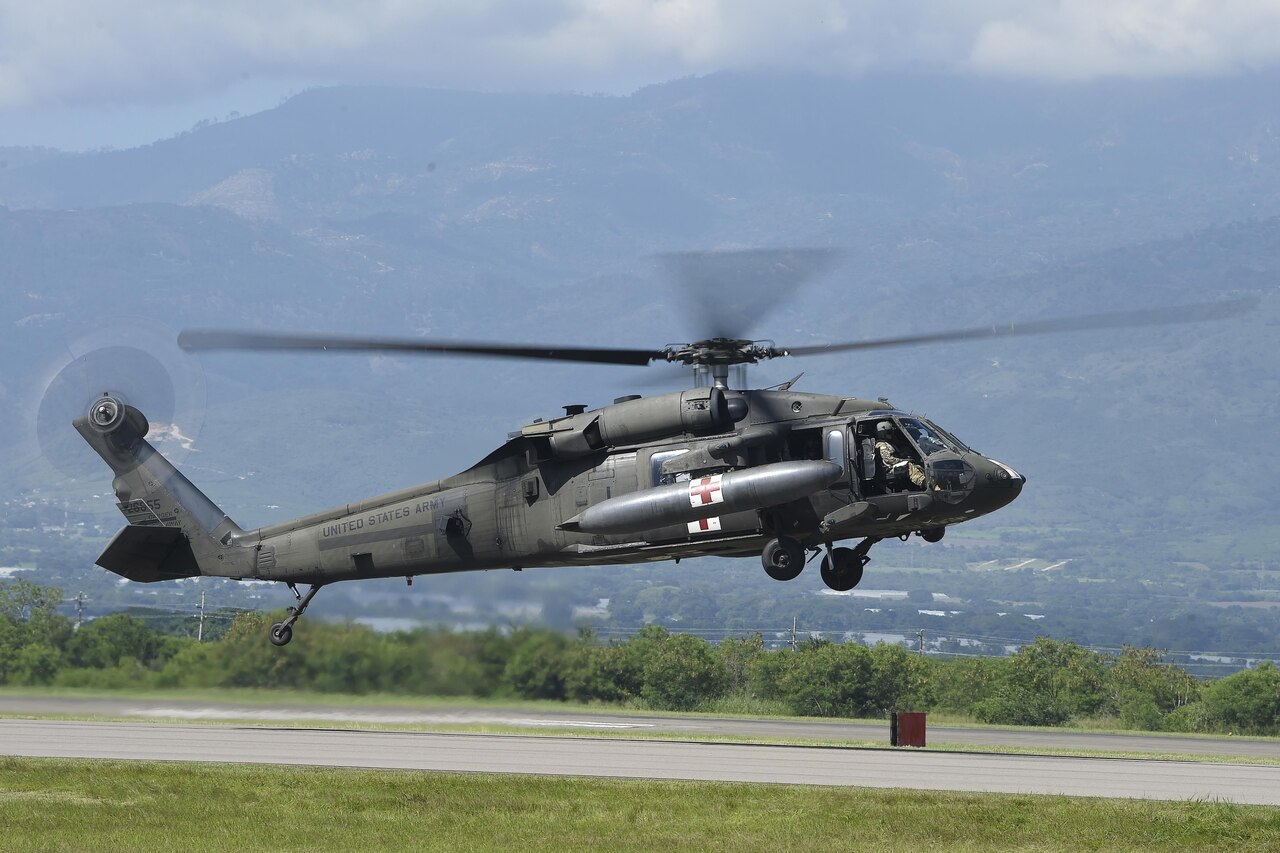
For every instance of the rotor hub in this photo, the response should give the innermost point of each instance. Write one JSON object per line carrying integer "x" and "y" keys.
{"x": 105, "y": 412}
{"x": 725, "y": 351}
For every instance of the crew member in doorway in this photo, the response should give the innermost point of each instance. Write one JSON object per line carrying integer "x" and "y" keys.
{"x": 896, "y": 468}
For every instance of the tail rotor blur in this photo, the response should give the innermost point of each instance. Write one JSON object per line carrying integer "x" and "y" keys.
{"x": 140, "y": 365}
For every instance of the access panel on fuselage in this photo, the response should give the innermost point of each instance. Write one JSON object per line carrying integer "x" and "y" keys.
{"x": 612, "y": 477}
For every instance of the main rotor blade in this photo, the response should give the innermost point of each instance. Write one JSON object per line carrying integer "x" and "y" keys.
{"x": 1113, "y": 320}
{"x": 732, "y": 290}
{"x": 204, "y": 340}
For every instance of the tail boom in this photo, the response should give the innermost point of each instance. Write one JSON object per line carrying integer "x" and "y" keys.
{"x": 174, "y": 530}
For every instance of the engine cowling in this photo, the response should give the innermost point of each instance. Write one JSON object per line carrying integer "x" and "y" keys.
{"x": 699, "y": 411}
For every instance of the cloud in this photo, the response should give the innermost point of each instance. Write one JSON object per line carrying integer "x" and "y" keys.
{"x": 1081, "y": 39}
{"x": 86, "y": 51}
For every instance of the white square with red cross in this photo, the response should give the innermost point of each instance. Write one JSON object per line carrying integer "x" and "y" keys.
{"x": 705, "y": 491}
{"x": 705, "y": 525}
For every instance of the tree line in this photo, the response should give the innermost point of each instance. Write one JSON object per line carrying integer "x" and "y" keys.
{"x": 1046, "y": 682}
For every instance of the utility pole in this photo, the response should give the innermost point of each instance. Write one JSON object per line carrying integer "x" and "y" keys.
{"x": 79, "y": 609}
{"x": 795, "y": 646}
{"x": 920, "y": 641}
{"x": 200, "y": 630}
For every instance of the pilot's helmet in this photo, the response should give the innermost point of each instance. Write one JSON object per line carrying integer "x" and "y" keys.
{"x": 884, "y": 431}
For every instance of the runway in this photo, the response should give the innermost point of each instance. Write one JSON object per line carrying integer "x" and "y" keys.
{"x": 644, "y": 759}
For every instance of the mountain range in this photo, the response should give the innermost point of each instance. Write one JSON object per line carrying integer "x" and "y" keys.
{"x": 954, "y": 202}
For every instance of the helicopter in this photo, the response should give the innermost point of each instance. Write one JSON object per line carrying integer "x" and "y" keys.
{"x": 713, "y": 470}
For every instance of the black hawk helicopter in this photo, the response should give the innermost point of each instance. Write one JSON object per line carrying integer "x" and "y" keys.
{"x": 713, "y": 470}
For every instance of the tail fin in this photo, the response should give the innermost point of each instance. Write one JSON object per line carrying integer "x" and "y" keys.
{"x": 174, "y": 531}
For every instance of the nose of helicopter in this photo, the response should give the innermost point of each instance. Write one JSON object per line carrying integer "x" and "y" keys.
{"x": 998, "y": 484}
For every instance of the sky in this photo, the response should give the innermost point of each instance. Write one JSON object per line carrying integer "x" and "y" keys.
{"x": 82, "y": 74}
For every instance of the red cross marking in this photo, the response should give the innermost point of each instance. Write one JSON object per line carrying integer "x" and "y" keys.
{"x": 705, "y": 491}
{"x": 704, "y": 525}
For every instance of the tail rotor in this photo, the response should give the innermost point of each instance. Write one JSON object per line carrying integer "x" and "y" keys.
{"x": 137, "y": 365}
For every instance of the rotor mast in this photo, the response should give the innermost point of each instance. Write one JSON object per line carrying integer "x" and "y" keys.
{"x": 716, "y": 376}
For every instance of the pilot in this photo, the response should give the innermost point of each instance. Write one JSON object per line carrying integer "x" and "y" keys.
{"x": 895, "y": 467}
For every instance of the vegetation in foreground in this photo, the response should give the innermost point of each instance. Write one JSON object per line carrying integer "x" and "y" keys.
{"x": 76, "y": 805}
{"x": 1046, "y": 682}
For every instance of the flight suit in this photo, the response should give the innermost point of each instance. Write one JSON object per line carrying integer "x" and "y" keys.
{"x": 889, "y": 458}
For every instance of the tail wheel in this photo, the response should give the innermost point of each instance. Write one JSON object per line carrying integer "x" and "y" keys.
{"x": 842, "y": 569}
{"x": 282, "y": 632}
{"x": 783, "y": 559}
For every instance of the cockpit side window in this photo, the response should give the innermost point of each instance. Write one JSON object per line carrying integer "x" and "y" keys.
{"x": 656, "y": 476}
{"x": 833, "y": 449}
{"x": 891, "y": 461}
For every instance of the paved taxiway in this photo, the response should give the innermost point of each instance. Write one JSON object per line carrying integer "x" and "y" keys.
{"x": 651, "y": 724}
{"x": 648, "y": 759}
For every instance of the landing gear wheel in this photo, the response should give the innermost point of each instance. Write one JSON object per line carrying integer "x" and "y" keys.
{"x": 281, "y": 634}
{"x": 842, "y": 569}
{"x": 783, "y": 559}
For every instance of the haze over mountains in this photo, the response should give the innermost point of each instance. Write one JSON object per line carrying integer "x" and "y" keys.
{"x": 956, "y": 202}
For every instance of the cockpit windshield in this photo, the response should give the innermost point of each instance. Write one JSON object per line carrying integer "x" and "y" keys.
{"x": 930, "y": 438}
{"x": 950, "y": 437}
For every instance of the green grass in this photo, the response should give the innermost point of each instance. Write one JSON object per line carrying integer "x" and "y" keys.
{"x": 276, "y": 696}
{"x": 48, "y": 804}
{"x": 285, "y": 696}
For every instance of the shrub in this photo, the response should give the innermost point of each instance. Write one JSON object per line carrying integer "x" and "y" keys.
{"x": 1140, "y": 711}
{"x": 1193, "y": 717}
{"x": 681, "y": 672}
{"x": 1138, "y": 672}
{"x": 1012, "y": 705}
{"x": 536, "y": 668}
{"x": 829, "y": 680}
{"x": 35, "y": 664}
{"x": 1247, "y": 702}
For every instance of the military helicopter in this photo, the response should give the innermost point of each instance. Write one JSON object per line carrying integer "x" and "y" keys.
{"x": 713, "y": 470}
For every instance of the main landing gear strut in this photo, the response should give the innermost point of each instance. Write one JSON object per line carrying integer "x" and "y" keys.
{"x": 784, "y": 559}
{"x": 282, "y": 632}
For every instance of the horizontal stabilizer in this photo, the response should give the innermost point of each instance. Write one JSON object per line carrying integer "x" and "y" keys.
{"x": 147, "y": 554}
